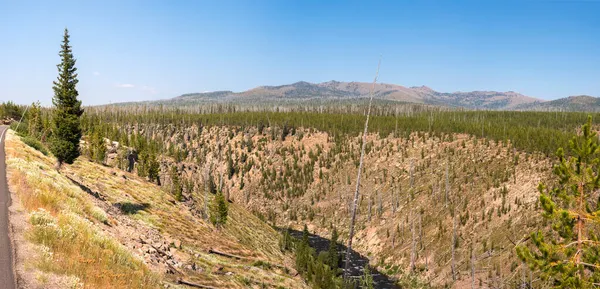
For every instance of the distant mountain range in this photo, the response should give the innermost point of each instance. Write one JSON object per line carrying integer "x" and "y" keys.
{"x": 571, "y": 103}
{"x": 305, "y": 92}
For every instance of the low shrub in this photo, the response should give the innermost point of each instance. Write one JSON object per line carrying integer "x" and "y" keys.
{"x": 34, "y": 143}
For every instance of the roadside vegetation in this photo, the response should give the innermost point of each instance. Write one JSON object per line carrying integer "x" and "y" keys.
{"x": 65, "y": 226}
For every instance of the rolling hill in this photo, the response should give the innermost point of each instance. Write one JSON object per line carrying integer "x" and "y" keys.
{"x": 571, "y": 103}
{"x": 304, "y": 92}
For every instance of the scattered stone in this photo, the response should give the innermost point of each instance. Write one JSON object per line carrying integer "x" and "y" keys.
{"x": 177, "y": 244}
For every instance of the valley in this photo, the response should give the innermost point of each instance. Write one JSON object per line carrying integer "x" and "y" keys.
{"x": 446, "y": 198}
{"x": 245, "y": 144}
{"x": 421, "y": 190}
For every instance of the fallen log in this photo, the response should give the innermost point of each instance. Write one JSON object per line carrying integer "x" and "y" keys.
{"x": 180, "y": 281}
{"x": 173, "y": 269}
{"x": 211, "y": 251}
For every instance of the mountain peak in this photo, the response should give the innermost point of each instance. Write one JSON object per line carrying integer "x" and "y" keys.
{"x": 422, "y": 88}
{"x": 333, "y": 90}
{"x": 301, "y": 83}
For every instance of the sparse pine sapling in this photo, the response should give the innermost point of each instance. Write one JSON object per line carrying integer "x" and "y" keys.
{"x": 366, "y": 282}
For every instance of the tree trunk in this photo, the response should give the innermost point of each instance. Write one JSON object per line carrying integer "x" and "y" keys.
{"x": 452, "y": 246}
{"x": 413, "y": 246}
{"x": 411, "y": 173}
{"x": 420, "y": 231}
{"x": 580, "y": 223}
{"x": 369, "y": 209}
{"x": 356, "y": 192}
{"x": 472, "y": 267}
{"x": 447, "y": 185}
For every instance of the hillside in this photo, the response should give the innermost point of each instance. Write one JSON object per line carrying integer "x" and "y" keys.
{"x": 94, "y": 226}
{"x": 413, "y": 182}
{"x": 431, "y": 179}
{"x": 305, "y": 92}
{"x": 571, "y": 103}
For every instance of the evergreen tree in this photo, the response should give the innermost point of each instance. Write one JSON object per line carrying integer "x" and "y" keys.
{"x": 218, "y": 210}
{"x": 153, "y": 169}
{"x": 176, "y": 187}
{"x": 34, "y": 116}
{"x": 302, "y": 253}
{"x": 286, "y": 241}
{"x": 366, "y": 282}
{"x": 211, "y": 186}
{"x": 142, "y": 166}
{"x": 66, "y": 130}
{"x": 230, "y": 167}
{"x": 332, "y": 253}
{"x": 10, "y": 110}
{"x": 97, "y": 147}
{"x": 568, "y": 255}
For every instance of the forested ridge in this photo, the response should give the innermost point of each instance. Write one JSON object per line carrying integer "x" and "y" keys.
{"x": 529, "y": 131}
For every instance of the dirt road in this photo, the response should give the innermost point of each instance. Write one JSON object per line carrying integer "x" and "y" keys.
{"x": 7, "y": 279}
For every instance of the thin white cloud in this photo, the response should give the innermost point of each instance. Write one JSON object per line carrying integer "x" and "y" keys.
{"x": 125, "y": 85}
{"x": 96, "y": 73}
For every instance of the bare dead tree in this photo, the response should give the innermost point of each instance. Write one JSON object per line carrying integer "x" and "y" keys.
{"x": 472, "y": 267}
{"x": 393, "y": 203}
{"x": 420, "y": 231}
{"x": 447, "y": 185}
{"x": 360, "y": 167}
{"x": 453, "y": 246}
{"x": 413, "y": 246}
{"x": 206, "y": 190}
{"x": 369, "y": 209}
{"x": 380, "y": 206}
{"x": 426, "y": 259}
{"x": 394, "y": 238}
{"x": 412, "y": 182}
{"x": 402, "y": 231}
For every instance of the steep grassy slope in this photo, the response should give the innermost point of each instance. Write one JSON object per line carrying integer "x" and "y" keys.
{"x": 96, "y": 227}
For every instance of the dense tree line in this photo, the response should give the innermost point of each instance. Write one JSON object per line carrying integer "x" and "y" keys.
{"x": 529, "y": 131}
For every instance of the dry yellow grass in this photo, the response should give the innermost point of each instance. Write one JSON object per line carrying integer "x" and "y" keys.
{"x": 86, "y": 238}
{"x": 62, "y": 223}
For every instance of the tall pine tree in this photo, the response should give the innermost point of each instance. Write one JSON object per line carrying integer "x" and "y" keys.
{"x": 568, "y": 255}
{"x": 66, "y": 128}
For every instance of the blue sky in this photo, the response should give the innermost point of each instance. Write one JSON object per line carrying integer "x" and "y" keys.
{"x": 143, "y": 50}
